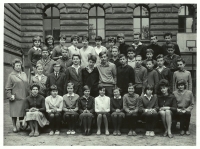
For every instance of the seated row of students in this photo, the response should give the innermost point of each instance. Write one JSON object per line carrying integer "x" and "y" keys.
{"x": 131, "y": 106}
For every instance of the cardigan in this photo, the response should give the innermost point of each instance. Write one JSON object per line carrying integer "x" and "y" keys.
{"x": 34, "y": 55}
{"x": 185, "y": 100}
{"x": 102, "y": 104}
{"x": 131, "y": 102}
{"x": 145, "y": 103}
{"x": 36, "y": 102}
{"x": 46, "y": 65}
{"x": 84, "y": 104}
{"x": 167, "y": 101}
{"x": 116, "y": 104}
{"x": 70, "y": 102}
{"x": 50, "y": 103}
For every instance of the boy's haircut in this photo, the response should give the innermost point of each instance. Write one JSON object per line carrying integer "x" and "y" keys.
{"x": 70, "y": 84}
{"x": 137, "y": 34}
{"x": 116, "y": 88}
{"x": 120, "y": 35}
{"x": 181, "y": 82}
{"x": 47, "y": 38}
{"x": 150, "y": 60}
{"x": 110, "y": 39}
{"x": 153, "y": 36}
{"x": 102, "y": 53}
{"x": 35, "y": 85}
{"x": 74, "y": 37}
{"x": 85, "y": 37}
{"x": 148, "y": 87}
{"x": 85, "y": 88}
{"x": 92, "y": 58}
{"x": 98, "y": 38}
{"x": 39, "y": 65}
{"x": 180, "y": 60}
{"x": 170, "y": 46}
{"x": 159, "y": 56}
{"x": 100, "y": 87}
{"x": 139, "y": 56}
{"x": 168, "y": 34}
{"x": 131, "y": 49}
{"x": 76, "y": 55}
{"x": 62, "y": 37}
{"x": 121, "y": 55}
{"x": 149, "y": 51}
{"x": 115, "y": 47}
{"x": 131, "y": 84}
{"x": 45, "y": 48}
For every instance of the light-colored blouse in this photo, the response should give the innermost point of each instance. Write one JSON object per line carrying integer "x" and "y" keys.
{"x": 102, "y": 104}
{"x": 54, "y": 103}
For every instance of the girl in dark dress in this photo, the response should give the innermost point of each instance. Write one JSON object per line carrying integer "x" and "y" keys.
{"x": 116, "y": 104}
{"x": 86, "y": 110}
{"x": 167, "y": 106}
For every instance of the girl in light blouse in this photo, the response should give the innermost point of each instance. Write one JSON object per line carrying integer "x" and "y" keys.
{"x": 70, "y": 108}
{"x": 54, "y": 105}
{"x": 102, "y": 109}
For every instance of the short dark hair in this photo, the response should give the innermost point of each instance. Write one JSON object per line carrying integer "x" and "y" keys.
{"x": 168, "y": 34}
{"x": 137, "y": 34}
{"x": 149, "y": 51}
{"x": 100, "y": 87}
{"x": 74, "y": 37}
{"x": 180, "y": 60}
{"x": 131, "y": 49}
{"x": 170, "y": 46}
{"x": 35, "y": 85}
{"x": 181, "y": 82}
{"x": 121, "y": 55}
{"x": 53, "y": 87}
{"x": 92, "y": 58}
{"x": 120, "y": 35}
{"x": 45, "y": 48}
{"x": 131, "y": 84}
{"x": 39, "y": 65}
{"x": 148, "y": 87}
{"x": 85, "y": 37}
{"x": 159, "y": 56}
{"x": 36, "y": 38}
{"x": 110, "y": 39}
{"x": 62, "y": 37}
{"x": 70, "y": 84}
{"x": 117, "y": 88}
{"x": 85, "y": 88}
{"x": 102, "y": 53}
{"x": 47, "y": 38}
{"x": 150, "y": 60}
{"x": 76, "y": 55}
{"x": 98, "y": 38}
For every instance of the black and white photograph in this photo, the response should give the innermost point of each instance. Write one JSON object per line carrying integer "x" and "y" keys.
{"x": 99, "y": 74}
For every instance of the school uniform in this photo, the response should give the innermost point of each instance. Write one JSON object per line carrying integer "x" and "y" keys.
{"x": 140, "y": 49}
{"x": 65, "y": 63}
{"x": 125, "y": 75}
{"x": 73, "y": 50}
{"x": 185, "y": 101}
{"x": 176, "y": 51}
{"x": 131, "y": 62}
{"x": 152, "y": 79}
{"x": 157, "y": 49}
{"x": 123, "y": 48}
{"x": 57, "y": 51}
{"x": 74, "y": 75}
{"x": 171, "y": 62}
{"x": 46, "y": 64}
{"x": 85, "y": 53}
{"x": 90, "y": 77}
{"x": 59, "y": 81}
{"x": 34, "y": 55}
{"x": 97, "y": 51}
{"x": 41, "y": 81}
{"x": 185, "y": 75}
{"x": 150, "y": 118}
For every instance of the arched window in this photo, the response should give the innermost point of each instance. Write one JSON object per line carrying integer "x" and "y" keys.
{"x": 96, "y": 22}
{"x": 186, "y": 19}
{"x": 51, "y": 22}
{"x": 141, "y": 21}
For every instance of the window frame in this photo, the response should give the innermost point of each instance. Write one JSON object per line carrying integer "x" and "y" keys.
{"x": 96, "y": 17}
{"x": 141, "y": 17}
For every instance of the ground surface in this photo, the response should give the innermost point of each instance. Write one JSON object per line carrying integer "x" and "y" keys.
{"x": 22, "y": 138}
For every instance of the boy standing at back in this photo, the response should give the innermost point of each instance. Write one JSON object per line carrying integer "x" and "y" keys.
{"x": 115, "y": 56}
{"x": 131, "y": 57}
{"x": 122, "y": 45}
{"x": 73, "y": 48}
{"x": 140, "y": 76}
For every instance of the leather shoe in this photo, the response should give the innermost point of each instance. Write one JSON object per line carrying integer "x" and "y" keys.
{"x": 170, "y": 135}
{"x": 187, "y": 133}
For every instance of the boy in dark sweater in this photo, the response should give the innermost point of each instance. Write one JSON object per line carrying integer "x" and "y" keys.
{"x": 114, "y": 58}
{"x": 122, "y": 45}
{"x": 149, "y": 56}
{"x": 163, "y": 72}
{"x": 125, "y": 75}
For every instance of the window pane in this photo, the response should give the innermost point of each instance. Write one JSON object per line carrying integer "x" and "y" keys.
{"x": 136, "y": 11}
{"x": 92, "y": 34}
{"x": 48, "y": 12}
{"x": 136, "y": 25}
{"x": 100, "y": 23}
{"x": 191, "y": 10}
{"x": 47, "y": 24}
{"x": 55, "y": 12}
{"x": 92, "y": 11}
{"x": 189, "y": 25}
{"x": 181, "y": 10}
{"x": 186, "y": 10}
{"x": 56, "y": 23}
{"x": 101, "y": 32}
{"x": 92, "y": 23}
{"x": 145, "y": 28}
{"x": 145, "y": 11}
{"x": 181, "y": 25}
{"x": 100, "y": 11}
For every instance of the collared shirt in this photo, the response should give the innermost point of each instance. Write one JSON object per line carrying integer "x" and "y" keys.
{"x": 72, "y": 95}
{"x": 160, "y": 69}
{"x": 118, "y": 97}
{"x": 131, "y": 62}
{"x": 149, "y": 98}
{"x": 89, "y": 69}
{"x": 136, "y": 45}
{"x": 56, "y": 73}
{"x": 39, "y": 76}
{"x": 102, "y": 104}
{"x": 37, "y": 49}
{"x": 76, "y": 68}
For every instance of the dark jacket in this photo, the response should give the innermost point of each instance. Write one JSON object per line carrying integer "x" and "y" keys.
{"x": 84, "y": 103}
{"x": 176, "y": 47}
{"x": 116, "y": 104}
{"x": 37, "y": 102}
{"x": 141, "y": 50}
{"x": 123, "y": 48}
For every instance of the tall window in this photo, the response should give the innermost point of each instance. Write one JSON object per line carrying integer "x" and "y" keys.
{"x": 141, "y": 21}
{"x": 96, "y": 22}
{"x": 185, "y": 19}
{"x": 52, "y": 22}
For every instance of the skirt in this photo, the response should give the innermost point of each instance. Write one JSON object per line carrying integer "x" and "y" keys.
{"x": 17, "y": 108}
{"x": 69, "y": 113}
{"x": 37, "y": 116}
{"x": 82, "y": 115}
{"x": 118, "y": 113}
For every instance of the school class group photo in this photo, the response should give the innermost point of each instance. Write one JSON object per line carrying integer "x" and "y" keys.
{"x": 107, "y": 85}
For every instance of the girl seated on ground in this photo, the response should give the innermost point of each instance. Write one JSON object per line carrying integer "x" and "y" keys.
{"x": 86, "y": 110}
{"x": 35, "y": 105}
{"x": 185, "y": 104}
{"x": 148, "y": 109}
{"x": 70, "y": 108}
{"x": 102, "y": 109}
{"x": 167, "y": 106}
{"x": 54, "y": 105}
{"x": 117, "y": 111}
